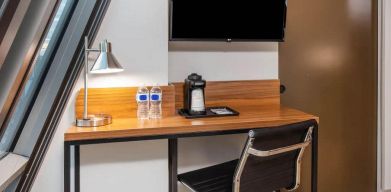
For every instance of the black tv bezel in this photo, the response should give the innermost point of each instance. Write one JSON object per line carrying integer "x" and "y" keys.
{"x": 170, "y": 38}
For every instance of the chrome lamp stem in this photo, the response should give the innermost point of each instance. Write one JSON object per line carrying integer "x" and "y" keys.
{"x": 106, "y": 63}
{"x": 85, "y": 112}
{"x": 86, "y": 51}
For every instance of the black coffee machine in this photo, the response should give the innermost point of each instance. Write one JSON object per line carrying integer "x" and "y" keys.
{"x": 194, "y": 95}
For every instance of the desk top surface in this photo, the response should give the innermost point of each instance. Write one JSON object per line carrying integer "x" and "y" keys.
{"x": 251, "y": 116}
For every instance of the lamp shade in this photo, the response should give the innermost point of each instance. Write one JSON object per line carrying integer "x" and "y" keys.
{"x": 106, "y": 62}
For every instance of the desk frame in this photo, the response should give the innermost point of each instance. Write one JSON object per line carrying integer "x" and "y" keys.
{"x": 172, "y": 155}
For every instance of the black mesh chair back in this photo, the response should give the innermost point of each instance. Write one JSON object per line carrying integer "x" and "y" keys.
{"x": 269, "y": 162}
{"x": 271, "y": 158}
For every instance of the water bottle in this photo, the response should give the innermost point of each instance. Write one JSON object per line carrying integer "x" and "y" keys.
{"x": 155, "y": 110}
{"x": 142, "y": 99}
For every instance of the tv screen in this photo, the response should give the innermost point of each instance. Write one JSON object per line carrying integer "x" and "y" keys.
{"x": 227, "y": 20}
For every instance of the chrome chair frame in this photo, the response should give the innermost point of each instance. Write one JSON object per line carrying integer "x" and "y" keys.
{"x": 248, "y": 150}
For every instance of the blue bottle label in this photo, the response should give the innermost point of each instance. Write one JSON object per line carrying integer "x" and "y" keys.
{"x": 142, "y": 97}
{"x": 156, "y": 97}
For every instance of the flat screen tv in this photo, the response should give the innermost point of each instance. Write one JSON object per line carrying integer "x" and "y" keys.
{"x": 227, "y": 20}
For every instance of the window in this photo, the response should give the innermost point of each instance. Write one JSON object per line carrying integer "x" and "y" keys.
{"x": 37, "y": 105}
{"x": 2, "y": 7}
{"x": 37, "y": 72}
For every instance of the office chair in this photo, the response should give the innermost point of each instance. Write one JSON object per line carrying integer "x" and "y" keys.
{"x": 270, "y": 161}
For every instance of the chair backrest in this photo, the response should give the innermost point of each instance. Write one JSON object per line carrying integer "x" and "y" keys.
{"x": 271, "y": 158}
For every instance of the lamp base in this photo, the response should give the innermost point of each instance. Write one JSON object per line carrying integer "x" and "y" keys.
{"x": 94, "y": 120}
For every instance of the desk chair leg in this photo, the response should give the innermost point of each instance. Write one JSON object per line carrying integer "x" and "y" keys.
{"x": 173, "y": 165}
{"x": 67, "y": 167}
{"x": 77, "y": 167}
{"x": 314, "y": 161}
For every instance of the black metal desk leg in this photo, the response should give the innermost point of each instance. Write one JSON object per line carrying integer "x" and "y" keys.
{"x": 173, "y": 165}
{"x": 314, "y": 162}
{"x": 67, "y": 167}
{"x": 77, "y": 168}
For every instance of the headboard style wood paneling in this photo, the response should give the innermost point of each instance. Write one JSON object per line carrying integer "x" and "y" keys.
{"x": 121, "y": 102}
{"x": 228, "y": 93}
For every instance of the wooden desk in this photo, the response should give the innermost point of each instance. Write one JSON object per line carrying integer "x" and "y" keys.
{"x": 261, "y": 112}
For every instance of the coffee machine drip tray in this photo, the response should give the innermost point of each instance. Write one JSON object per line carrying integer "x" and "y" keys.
{"x": 210, "y": 112}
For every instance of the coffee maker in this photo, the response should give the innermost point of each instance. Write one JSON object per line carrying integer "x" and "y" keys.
{"x": 194, "y": 95}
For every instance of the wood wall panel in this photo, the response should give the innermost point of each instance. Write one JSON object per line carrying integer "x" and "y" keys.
{"x": 121, "y": 102}
{"x": 231, "y": 93}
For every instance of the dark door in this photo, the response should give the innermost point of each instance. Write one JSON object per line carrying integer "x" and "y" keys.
{"x": 329, "y": 65}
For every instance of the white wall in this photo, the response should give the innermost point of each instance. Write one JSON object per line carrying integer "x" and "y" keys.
{"x": 386, "y": 98}
{"x": 138, "y": 30}
{"x": 223, "y": 61}
{"x": 218, "y": 62}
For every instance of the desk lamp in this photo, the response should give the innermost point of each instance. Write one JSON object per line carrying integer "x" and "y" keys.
{"x": 105, "y": 63}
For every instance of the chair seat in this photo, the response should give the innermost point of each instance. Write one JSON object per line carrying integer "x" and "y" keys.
{"x": 217, "y": 178}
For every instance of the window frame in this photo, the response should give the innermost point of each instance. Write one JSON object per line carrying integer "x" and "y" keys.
{"x": 71, "y": 76}
{"x": 26, "y": 78}
{"x": 12, "y": 166}
{"x": 84, "y": 20}
{"x": 7, "y": 11}
{"x": 11, "y": 17}
{"x": 28, "y": 60}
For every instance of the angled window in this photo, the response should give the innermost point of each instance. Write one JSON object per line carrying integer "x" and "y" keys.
{"x": 11, "y": 17}
{"x": 37, "y": 75}
{"x": 2, "y": 7}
